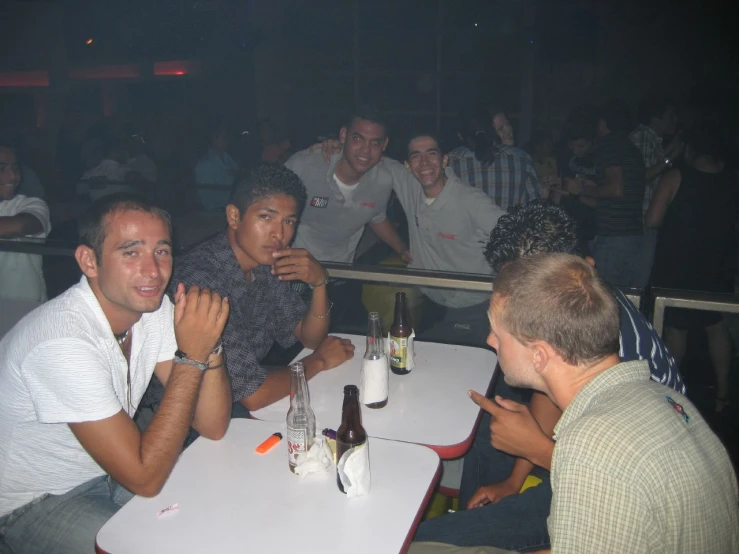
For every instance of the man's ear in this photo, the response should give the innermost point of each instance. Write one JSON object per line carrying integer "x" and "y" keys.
{"x": 384, "y": 144}
{"x": 540, "y": 355}
{"x": 87, "y": 260}
{"x": 342, "y": 135}
{"x": 233, "y": 216}
{"x": 444, "y": 161}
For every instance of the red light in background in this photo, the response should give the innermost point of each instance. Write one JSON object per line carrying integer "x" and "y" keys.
{"x": 24, "y": 79}
{"x": 176, "y": 68}
{"x": 88, "y": 41}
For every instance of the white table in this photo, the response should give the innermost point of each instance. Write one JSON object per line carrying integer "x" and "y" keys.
{"x": 429, "y": 406}
{"x": 232, "y": 499}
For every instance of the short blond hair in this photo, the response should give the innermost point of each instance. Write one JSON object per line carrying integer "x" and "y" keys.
{"x": 560, "y": 299}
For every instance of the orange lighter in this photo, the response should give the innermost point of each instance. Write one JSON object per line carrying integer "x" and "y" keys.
{"x": 269, "y": 443}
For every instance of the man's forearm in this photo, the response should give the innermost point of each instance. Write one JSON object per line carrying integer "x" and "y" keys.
{"x": 386, "y": 232}
{"x": 277, "y": 384}
{"x": 161, "y": 442}
{"x": 213, "y": 410}
{"x": 20, "y": 225}
{"x": 314, "y": 327}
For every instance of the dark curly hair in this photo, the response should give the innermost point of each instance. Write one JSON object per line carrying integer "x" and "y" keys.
{"x": 265, "y": 180}
{"x": 530, "y": 229}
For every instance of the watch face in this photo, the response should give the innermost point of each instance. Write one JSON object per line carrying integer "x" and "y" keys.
{"x": 180, "y": 354}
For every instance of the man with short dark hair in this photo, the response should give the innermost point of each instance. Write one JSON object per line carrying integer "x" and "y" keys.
{"x": 252, "y": 263}
{"x": 349, "y": 193}
{"x": 448, "y": 221}
{"x": 73, "y": 371}
{"x": 635, "y": 468}
{"x": 494, "y": 473}
{"x": 618, "y": 191}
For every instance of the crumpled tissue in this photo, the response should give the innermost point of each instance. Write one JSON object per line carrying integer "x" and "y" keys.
{"x": 317, "y": 460}
{"x": 354, "y": 470}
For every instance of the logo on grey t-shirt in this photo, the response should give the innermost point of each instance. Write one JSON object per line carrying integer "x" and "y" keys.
{"x": 319, "y": 201}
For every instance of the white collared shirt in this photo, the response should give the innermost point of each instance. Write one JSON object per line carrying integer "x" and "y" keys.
{"x": 61, "y": 364}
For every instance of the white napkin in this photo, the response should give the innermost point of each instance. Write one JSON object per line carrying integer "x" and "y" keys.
{"x": 354, "y": 470}
{"x": 317, "y": 460}
{"x": 373, "y": 380}
{"x": 411, "y": 350}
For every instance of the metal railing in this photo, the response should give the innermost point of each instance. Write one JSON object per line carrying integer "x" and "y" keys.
{"x": 663, "y": 298}
{"x": 671, "y": 298}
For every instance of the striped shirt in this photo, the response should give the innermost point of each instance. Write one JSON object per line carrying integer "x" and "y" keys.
{"x": 62, "y": 364}
{"x": 639, "y": 341}
{"x": 620, "y": 216}
{"x": 649, "y": 144}
{"x": 636, "y": 468}
{"x": 510, "y": 180}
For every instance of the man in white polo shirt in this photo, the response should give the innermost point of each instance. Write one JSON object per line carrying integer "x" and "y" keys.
{"x": 73, "y": 371}
{"x": 21, "y": 276}
{"x": 449, "y": 223}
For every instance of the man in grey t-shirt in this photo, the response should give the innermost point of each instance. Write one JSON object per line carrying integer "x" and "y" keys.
{"x": 344, "y": 196}
{"x": 449, "y": 223}
{"x": 350, "y": 192}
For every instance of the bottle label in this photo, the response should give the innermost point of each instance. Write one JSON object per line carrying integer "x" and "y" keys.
{"x": 295, "y": 444}
{"x": 399, "y": 351}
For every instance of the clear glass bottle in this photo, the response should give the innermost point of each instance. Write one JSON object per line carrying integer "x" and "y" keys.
{"x": 374, "y": 378}
{"x": 301, "y": 421}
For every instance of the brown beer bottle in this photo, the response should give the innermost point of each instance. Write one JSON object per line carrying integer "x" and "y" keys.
{"x": 350, "y": 434}
{"x": 399, "y": 333}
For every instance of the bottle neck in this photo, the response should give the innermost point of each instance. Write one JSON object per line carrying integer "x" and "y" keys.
{"x": 298, "y": 388}
{"x": 350, "y": 410}
{"x": 401, "y": 314}
{"x": 374, "y": 341}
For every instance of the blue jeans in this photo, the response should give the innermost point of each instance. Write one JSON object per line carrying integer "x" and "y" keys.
{"x": 63, "y": 524}
{"x": 518, "y": 522}
{"x": 618, "y": 259}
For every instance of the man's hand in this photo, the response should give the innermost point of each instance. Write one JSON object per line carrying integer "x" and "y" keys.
{"x": 328, "y": 147}
{"x": 199, "y": 319}
{"x": 406, "y": 256}
{"x": 512, "y": 428}
{"x": 332, "y": 352}
{"x": 490, "y": 494}
{"x": 297, "y": 264}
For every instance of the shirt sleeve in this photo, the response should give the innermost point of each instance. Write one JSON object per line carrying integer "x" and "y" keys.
{"x": 592, "y": 511}
{"x": 169, "y": 340}
{"x": 38, "y": 209}
{"x": 69, "y": 381}
{"x": 403, "y": 183}
{"x": 483, "y": 211}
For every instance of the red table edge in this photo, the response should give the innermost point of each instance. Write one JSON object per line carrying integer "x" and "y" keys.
{"x": 412, "y": 531}
{"x": 421, "y": 510}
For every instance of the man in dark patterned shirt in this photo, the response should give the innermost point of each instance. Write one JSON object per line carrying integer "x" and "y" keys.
{"x": 251, "y": 263}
